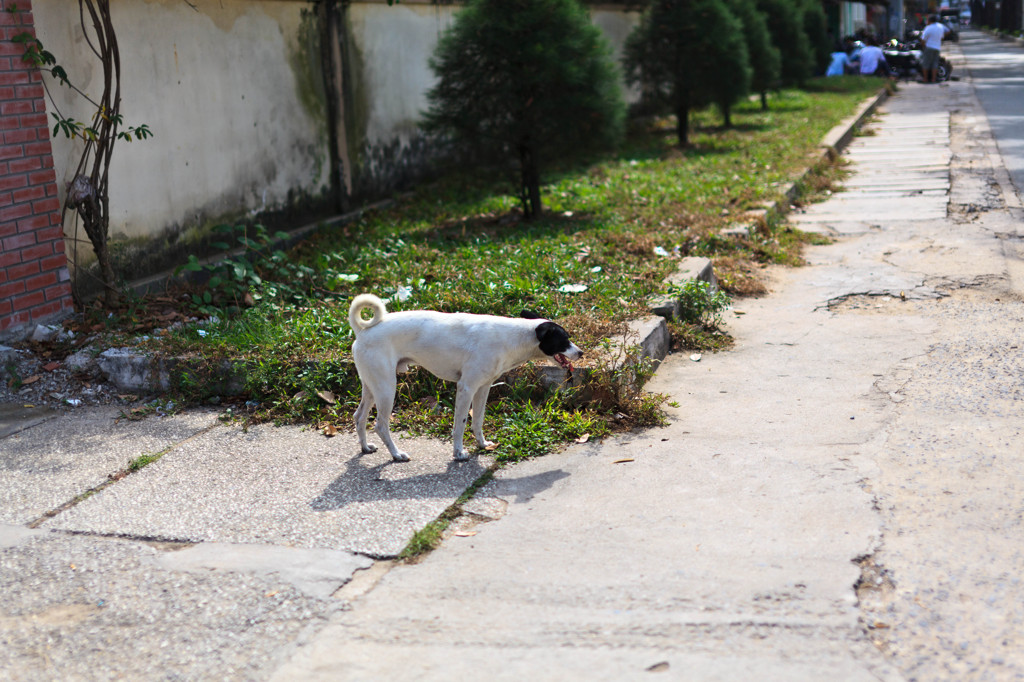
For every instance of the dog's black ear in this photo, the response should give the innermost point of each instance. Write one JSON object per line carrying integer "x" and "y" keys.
{"x": 529, "y": 315}
{"x": 552, "y": 338}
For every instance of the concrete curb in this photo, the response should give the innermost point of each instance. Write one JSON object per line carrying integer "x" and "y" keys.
{"x": 1002, "y": 36}
{"x": 831, "y": 148}
{"x": 133, "y": 371}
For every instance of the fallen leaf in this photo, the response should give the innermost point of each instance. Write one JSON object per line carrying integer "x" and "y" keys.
{"x": 879, "y": 625}
{"x": 330, "y": 430}
{"x": 465, "y": 533}
{"x": 301, "y": 395}
{"x": 491, "y": 447}
{"x": 271, "y": 594}
{"x": 327, "y": 396}
{"x": 31, "y": 380}
{"x": 658, "y": 667}
{"x": 584, "y": 438}
{"x": 623, "y": 460}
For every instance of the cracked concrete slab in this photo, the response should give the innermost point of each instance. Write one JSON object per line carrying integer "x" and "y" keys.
{"x": 52, "y": 461}
{"x": 314, "y": 492}
{"x": 317, "y": 572}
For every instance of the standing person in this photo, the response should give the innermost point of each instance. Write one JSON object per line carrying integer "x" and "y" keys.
{"x": 872, "y": 59}
{"x": 931, "y": 37}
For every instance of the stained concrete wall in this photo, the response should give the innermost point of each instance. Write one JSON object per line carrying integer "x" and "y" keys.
{"x": 232, "y": 93}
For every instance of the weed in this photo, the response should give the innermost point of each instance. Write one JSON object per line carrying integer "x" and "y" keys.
{"x": 15, "y": 382}
{"x": 142, "y": 461}
{"x": 700, "y": 302}
{"x": 231, "y": 279}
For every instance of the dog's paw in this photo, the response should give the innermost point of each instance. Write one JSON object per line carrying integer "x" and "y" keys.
{"x": 400, "y": 456}
{"x": 461, "y": 455}
{"x": 368, "y": 448}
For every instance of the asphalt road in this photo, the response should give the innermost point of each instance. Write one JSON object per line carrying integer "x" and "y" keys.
{"x": 997, "y": 73}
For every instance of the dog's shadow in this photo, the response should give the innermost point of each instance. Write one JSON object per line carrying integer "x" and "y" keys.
{"x": 362, "y": 482}
{"x": 389, "y": 480}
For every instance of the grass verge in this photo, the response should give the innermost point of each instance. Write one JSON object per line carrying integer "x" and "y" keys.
{"x": 612, "y": 231}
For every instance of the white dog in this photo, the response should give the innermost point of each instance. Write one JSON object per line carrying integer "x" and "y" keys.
{"x": 472, "y": 350}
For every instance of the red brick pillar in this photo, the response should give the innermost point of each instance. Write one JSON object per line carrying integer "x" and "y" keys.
{"x": 34, "y": 282}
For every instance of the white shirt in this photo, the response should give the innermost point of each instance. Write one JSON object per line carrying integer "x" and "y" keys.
{"x": 869, "y": 58}
{"x": 933, "y": 34}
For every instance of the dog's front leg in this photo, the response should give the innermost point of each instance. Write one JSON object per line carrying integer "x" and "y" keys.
{"x": 479, "y": 406}
{"x": 463, "y": 397}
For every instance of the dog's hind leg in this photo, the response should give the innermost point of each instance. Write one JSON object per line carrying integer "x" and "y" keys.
{"x": 479, "y": 406}
{"x": 384, "y": 395}
{"x": 362, "y": 414}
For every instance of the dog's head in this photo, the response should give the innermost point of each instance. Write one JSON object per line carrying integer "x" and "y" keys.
{"x": 554, "y": 341}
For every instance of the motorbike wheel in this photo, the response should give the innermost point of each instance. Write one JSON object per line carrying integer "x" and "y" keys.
{"x": 944, "y": 71}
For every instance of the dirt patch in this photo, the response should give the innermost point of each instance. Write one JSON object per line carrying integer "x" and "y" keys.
{"x": 866, "y": 304}
{"x": 57, "y": 615}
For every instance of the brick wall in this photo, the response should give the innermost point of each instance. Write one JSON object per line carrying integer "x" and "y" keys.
{"x": 34, "y": 282}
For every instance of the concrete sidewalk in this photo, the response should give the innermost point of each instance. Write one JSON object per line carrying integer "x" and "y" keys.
{"x": 233, "y": 540}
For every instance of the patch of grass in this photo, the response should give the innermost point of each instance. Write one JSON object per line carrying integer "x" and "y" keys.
{"x": 142, "y": 461}
{"x": 612, "y": 231}
{"x": 430, "y": 536}
{"x": 15, "y": 382}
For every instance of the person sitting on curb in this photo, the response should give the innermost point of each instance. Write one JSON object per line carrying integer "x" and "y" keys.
{"x": 931, "y": 40}
{"x": 841, "y": 63}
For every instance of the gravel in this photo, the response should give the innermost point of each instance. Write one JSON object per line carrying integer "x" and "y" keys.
{"x": 37, "y": 374}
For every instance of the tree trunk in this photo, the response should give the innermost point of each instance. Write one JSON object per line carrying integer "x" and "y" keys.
{"x": 764, "y": 100}
{"x": 529, "y": 191}
{"x": 726, "y": 115}
{"x": 683, "y": 118}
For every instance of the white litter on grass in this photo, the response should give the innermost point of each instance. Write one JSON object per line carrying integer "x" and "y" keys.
{"x": 660, "y": 251}
{"x": 573, "y": 288}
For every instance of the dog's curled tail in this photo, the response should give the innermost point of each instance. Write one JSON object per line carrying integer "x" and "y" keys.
{"x": 359, "y": 303}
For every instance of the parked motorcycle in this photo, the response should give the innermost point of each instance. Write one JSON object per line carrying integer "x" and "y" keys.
{"x": 904, "y": 60}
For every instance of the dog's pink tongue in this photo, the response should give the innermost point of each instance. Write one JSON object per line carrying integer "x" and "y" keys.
{"x": 563, "y": 361}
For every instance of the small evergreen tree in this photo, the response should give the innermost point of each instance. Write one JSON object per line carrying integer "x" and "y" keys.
{"x": 530, "y": 80}
{"x": 785, "y": 23}
{"x": 686, "y": 54}
{"x": 815, "y": 25}
{"x": 765, "y": 58}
